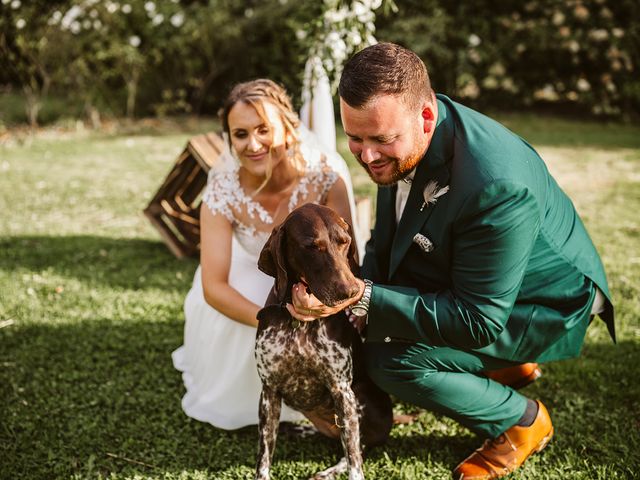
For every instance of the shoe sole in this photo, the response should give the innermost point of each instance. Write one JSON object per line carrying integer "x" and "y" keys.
{"x": 543, "y": 443}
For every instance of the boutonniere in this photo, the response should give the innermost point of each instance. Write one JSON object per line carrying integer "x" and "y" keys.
{"x": 423, "y": 242}
{"x": 431, "y": 193}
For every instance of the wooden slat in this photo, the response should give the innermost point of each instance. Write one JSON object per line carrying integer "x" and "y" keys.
{"x": 174, "y": 209}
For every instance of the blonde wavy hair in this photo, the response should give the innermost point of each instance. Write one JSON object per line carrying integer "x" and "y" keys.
{"x": 256, "y": 93}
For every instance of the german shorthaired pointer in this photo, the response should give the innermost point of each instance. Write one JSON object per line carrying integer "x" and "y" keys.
{"x": 315, "y": 367}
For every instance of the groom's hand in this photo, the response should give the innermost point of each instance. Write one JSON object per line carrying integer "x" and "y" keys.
{"x": 306, "y": 307}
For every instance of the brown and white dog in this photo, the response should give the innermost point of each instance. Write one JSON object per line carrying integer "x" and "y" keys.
{"x": 316, "y": 367}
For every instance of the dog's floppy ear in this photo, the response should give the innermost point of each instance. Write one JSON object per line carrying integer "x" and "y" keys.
{"x": 352, "y": 255}
{"x": 272, "y": 262}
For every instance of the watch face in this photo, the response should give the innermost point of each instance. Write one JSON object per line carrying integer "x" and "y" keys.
{"x": 359, "y": 311}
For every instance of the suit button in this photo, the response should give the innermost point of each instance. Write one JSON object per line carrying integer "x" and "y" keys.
{"x": 387, "y": 339}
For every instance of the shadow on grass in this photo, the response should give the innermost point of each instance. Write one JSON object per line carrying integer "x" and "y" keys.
{"x": 102, "y": 397}
{"x": 114, "y": 262}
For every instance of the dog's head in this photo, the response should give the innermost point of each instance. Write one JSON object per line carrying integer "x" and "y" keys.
{"x": 313, "y": 245}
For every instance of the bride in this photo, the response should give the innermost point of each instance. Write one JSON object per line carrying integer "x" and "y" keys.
{"x": 274, "y": 172}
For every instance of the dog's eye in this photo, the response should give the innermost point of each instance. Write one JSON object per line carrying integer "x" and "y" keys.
{"x": 316, "y": 245}
{"x": 342, "y": 240}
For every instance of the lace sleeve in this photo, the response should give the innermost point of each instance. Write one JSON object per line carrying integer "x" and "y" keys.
{"x": 327, "y": 176}
{"x": 218, "y": 194}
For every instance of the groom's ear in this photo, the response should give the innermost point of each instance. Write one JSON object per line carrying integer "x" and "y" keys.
{"x": 428, "y": 117}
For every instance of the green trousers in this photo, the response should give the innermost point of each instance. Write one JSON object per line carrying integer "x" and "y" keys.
{"x": 446, "y": 381}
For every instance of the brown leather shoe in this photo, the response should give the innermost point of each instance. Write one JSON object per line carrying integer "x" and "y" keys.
{"x": 500, "y": 456}
{"x": 516, "y": 377}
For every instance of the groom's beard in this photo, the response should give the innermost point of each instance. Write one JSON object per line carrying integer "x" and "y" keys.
{"x": 398, "y": 168}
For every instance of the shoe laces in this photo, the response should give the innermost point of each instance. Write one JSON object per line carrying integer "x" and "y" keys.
{"x": 499, "y": 441}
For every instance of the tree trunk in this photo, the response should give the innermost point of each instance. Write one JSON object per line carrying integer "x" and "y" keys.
{"x": 32, "y": 108}
{"x": 93, "y": 114}
{"x": 132, "y": 91}
{"x": 34, "y": 94}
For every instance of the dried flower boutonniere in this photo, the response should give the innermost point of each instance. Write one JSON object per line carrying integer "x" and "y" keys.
{"x": 431, "y": 193}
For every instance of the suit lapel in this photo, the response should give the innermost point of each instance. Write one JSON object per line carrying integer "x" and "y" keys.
{"x": 414, "y": 216}
{"x": 385, "y": 226}
{"x": 434, "y": 167}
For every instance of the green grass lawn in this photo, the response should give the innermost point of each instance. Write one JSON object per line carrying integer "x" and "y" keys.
{"x": 91, "y": 308}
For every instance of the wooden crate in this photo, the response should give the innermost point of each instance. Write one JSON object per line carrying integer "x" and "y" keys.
{"x": 175, "y": 209}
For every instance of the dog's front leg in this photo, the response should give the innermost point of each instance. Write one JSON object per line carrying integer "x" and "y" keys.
{"x": 347, "y": 418}
{"x": 269, "y": 416}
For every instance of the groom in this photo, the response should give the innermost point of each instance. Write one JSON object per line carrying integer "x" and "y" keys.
{"x": 478, "y": 261}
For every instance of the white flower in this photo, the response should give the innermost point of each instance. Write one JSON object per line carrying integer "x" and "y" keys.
{"x": 70, "y": 17}
{"x": 97, "y": 24}
{"x": 150, "y": 7}
{"x": 4, "y": 2}
{"x": 112, "y": 7}
{"x": 335, "y": 16}
{"x": 354, "y": 38}
{"x": 339, "y": 50}
{"x": 474, "y": 40}
{"x": 177, "y": 19}
{"x": 558, "y": 18}
{"x": 583, "y": 85}
{"x": 548, "y": 92}
{"x": 359, "y": 9}
{"x": 134, "y": 41}
{"x": 574, "y": 46}
{"x": 126, "y": 8}
{"x": 157, "y": 19}
{"x": 75, "y": 27}
{"x": 93, "y": 13}
{"x": 86, "y": 24}
{"x": 599, "y": 34}
{"x": 431, "y": 193}
{"x": 20, "y": 23}
{"x": 16, "y": 4}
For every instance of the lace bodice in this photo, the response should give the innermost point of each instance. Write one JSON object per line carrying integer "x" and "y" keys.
{"x": 252, "y": 224}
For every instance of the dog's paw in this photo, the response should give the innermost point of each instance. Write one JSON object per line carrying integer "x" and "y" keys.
{"x": 332, "y": 472}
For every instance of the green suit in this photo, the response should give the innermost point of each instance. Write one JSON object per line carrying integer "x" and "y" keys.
{"x": 502, "y": 271}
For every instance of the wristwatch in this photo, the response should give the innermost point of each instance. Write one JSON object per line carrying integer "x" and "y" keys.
{"x": 361, "y": 307}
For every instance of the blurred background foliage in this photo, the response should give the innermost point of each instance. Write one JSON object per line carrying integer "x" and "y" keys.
{"x": 92, "y": 59}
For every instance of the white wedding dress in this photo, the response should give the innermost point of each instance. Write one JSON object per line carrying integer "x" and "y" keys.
{"x": 217, "y": 358}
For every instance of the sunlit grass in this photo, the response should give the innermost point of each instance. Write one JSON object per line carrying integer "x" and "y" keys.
{"x": 91, "y": 307}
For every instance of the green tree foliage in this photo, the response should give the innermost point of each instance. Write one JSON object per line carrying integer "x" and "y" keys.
{"x": 580, "y": 54}
{"x": 153, "y": 57}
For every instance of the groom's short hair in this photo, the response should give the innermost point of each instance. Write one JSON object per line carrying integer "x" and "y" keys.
{"x": 384, "y": 69}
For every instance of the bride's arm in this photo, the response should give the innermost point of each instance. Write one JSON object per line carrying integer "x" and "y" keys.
{"x": 215, "y": 260}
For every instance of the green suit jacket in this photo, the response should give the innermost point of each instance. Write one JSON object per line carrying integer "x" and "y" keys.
{"x": 510, "y": 269}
